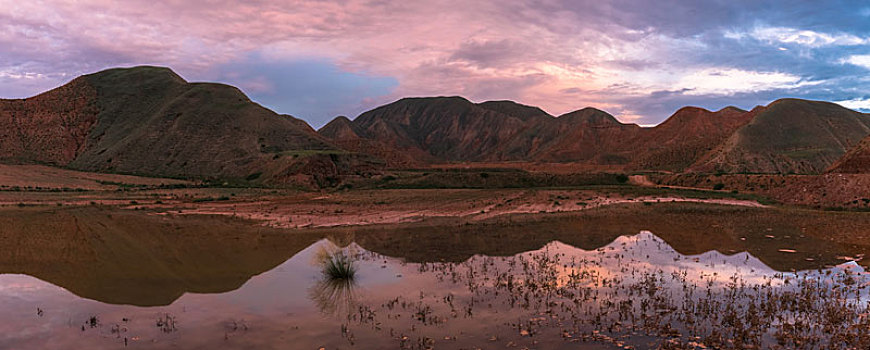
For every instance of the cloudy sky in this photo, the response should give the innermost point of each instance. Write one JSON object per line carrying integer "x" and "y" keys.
{"x": 317, "y": 59}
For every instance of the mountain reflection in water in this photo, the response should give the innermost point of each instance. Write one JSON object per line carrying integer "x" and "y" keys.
{"x": 547, "y": 284}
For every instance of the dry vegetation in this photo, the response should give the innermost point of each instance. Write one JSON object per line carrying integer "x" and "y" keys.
{"x": 614, "y": 295}
{"x": 828, "y": 191}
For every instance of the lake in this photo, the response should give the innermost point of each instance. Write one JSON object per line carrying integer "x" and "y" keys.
{"x": 99, "y": 278}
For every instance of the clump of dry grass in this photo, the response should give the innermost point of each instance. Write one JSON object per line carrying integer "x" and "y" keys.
{"x": 338, "y": 266}
{"x": 613, "y": 295}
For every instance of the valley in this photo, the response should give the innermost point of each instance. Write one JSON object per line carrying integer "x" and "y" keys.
{"x": 422, "y": 175}
{"x": 131, "y": 198}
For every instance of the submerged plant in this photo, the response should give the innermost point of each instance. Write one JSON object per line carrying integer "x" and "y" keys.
{"x": 338, "y": 266}
{"x": 334, "y": 293}
{"x": 615, "y": 295}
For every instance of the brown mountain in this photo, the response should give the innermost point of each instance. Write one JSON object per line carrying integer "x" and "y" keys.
{"x": 514, "y": 109}
{"x": 789, "y": 136}
{"x": 857, "y": 160}
{"x": 49, "y": 128}
{"x": 587, "y": 135}
{"x": 150, "y": 121}
{"x": 340, "y": 128}
{"x": 343, "y": 133}
{"x": 453, "y": 129}
{"x": 444, "y": 128}
{"x": 685, "y": 137}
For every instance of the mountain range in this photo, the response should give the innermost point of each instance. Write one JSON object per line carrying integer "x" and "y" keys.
{"x": 149, "y": 121}
{"x": 786, "y": 136}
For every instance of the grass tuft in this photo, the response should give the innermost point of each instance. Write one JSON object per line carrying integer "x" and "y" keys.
{"x": 339, "y": 267}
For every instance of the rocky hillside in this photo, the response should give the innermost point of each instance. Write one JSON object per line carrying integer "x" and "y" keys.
{"x": 789, "y": 136}
{"x": 343, "y": 133}
{"x": 685, "y": 137}
{"x": 150, "y": 121}
{"x": 49, "y": 128}
{"x": 453, "y": 129}
{"x": 856, "y": 160}
{"x": 588, "y": 135}
{"x": 445, "y": 128}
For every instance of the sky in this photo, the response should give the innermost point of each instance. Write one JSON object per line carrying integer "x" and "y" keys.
{"x": 638, "y": 60}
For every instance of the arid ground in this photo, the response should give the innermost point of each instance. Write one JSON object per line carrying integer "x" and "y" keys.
{"x": 98, "y": 260}
{"x": 40, "y": 188}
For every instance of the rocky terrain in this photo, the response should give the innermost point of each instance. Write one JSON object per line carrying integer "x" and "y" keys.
{"x": 789, "y": 136}
{"x": 856, "y": 161}
{"x": 453, "y": 129}
{"x": 686, "y": 137}
{"x": 826, "y": 191}
{"x": 149, "y": 121}
{"x": 51, "y": 127}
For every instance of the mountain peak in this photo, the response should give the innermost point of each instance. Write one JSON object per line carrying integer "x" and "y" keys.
{"x": 799, "y": 103}
{"x": 692, "y": 109}
{"x": 514, "y": 109}
{"x": 138, "y": 73}
{"x": 437, "y": 99}
{"x": 340, "y": 128}
{"x": 731, "y": 109}
{"x": 691, "y": 113}
{"x": 590, "y": 115}
{"x": 148, "y": 120}
{"x": 791, "y": 136}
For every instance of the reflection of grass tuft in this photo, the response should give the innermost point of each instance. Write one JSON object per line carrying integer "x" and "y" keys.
{"x": 334, "y": 293}
{"x": 339, "y": 267}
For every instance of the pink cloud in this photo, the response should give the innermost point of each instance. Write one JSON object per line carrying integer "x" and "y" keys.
{"x": 536, "y": 52}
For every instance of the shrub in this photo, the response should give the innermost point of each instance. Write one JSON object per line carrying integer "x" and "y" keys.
{"x": 339, "y": 267}
{"x": 718, "y": 186}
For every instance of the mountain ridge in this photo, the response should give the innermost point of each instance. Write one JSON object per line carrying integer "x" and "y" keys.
{"x": 692, "y": 139}
{"x": 789, "y": 136}
{"x": 150, "y": 121}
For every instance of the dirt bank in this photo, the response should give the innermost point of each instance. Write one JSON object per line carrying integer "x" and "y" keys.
{"x": 402, "y": 206}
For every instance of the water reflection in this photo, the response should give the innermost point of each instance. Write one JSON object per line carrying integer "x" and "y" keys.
{"x": 638, "y": 288}
{"x": 334, "y": 292}
{"x": 126, "y": 257}
{"x": 538, "y": 284}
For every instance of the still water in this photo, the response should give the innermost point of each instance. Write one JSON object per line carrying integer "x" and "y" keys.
{"x": 633, "y": 290}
